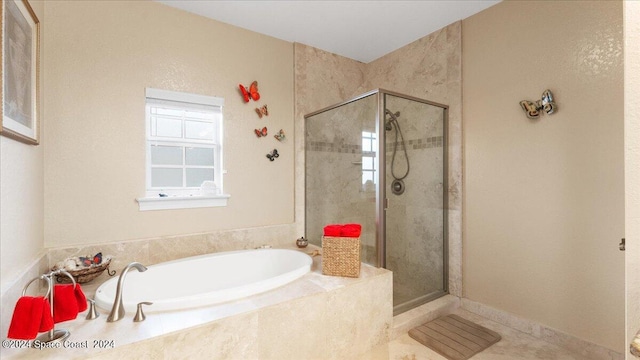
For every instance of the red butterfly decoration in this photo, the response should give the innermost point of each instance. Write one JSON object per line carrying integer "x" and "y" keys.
{"x": 262, "y": 111}
{"x": 261, "y": 133}
{"x": 88, "y": 260}
{"x": 251, "y": 92}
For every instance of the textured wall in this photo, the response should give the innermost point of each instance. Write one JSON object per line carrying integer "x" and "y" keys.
{"x": 100, "y": 58}
{"x": 544, "y": 200}
{"x": 21, "y": 196}
{"x": 632, "y": 164}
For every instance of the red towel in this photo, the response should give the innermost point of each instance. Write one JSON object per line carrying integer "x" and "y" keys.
{"x": 80, "y": 298}
{"x": 31, "y": 315}
{"x": 346, "y": 230}
{"x": 65, "y": 304}
{"x": 351, "y": 230}
{"x": 46, "y": 323}
{"x": 332, "y": 230}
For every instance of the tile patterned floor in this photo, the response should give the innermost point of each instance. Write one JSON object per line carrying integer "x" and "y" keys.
{"x": 515, "y": 345}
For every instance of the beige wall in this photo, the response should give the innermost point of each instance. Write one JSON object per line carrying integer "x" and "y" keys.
{"x": 544, "y": 200}
{"x": 21, "y": 197}
{"x": 100, "y": 58}
{"x": 632, "y": 166}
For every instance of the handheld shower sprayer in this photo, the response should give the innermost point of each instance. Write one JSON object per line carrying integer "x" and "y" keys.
{"x": 397, "y": 185}
{"x": 393, "y": 118}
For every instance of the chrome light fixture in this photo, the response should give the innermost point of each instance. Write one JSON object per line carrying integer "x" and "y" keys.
{"x": 546, "y": 103}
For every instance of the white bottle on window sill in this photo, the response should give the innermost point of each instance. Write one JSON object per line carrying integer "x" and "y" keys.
{"x": 209, "y": 188}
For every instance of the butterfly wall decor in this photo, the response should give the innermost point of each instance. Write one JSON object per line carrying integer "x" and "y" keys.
{"x": 546, "y": 103}
{"x": 251, "y": 92}
{"x": 261, "y": 133}
{"x": 262, "y": 111}
{"x": 89, "y": 260}
{"x": 273, "y": 155}
{"x": 280, "y": 135}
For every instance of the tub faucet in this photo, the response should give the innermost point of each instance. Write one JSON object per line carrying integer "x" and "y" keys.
{"x": 117, "y": 312}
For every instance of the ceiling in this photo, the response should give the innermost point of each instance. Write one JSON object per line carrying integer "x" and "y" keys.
{"x": 361, "y": 30}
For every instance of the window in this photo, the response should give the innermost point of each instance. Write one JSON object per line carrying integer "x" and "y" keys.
{"x": 369, "y": 163}
{"x": 183, "y": 150}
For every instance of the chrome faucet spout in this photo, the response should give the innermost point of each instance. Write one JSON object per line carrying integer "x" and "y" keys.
{"x": 117, "y": 311}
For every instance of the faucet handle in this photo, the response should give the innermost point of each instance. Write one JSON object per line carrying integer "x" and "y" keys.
{"x": 139, "y": 314}
{"x": 92, "y": 314}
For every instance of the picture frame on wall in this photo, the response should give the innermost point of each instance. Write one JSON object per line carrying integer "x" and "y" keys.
{"x": 20, "y": 119}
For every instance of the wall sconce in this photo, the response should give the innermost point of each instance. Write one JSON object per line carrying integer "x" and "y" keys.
{"x": 532, "y": 109}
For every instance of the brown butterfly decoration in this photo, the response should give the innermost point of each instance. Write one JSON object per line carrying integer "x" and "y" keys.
{"x": 261, "y": 133}
{"x": 533, "y": 110}
{"x": 262, "y": 111}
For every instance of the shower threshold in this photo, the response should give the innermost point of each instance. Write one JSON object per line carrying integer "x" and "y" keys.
{"x": 411, "y": 304}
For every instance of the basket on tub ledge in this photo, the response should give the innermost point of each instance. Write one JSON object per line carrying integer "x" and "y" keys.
{"x": 341, "y": 250}
{"x": 341, "y": 256}
{"x": 83, "y": 269}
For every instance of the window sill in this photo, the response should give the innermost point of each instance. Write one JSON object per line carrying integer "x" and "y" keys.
{"x": 181, "y": 202}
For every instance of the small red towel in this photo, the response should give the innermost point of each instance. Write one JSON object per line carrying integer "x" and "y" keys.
{"x": 46, "y": 323}
{"x": 31, "y": 315}
{"x": 81, "y": 299}
{"x": 332, "y": 230}
{"x": 65, "y": 304}
{"x": 351, "y": 230}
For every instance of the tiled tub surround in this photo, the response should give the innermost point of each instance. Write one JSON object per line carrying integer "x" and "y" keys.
{"x": 161, "y": 249}
{"x": 148, "y": 252}
{"x": 314, "y": 317}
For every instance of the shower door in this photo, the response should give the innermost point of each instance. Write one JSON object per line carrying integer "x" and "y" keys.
{"x": 340, "y": 172}
{"x": 402, "y": 209}
{"x": 415, "y": 188}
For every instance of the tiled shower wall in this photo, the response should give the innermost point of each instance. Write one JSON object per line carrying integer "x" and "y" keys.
{"x": 429, "y": 68}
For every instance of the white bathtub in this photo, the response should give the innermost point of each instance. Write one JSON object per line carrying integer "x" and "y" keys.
{"x": 206, "y": 279}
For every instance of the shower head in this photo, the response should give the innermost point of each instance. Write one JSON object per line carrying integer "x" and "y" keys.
{"x": 394, "y": 117}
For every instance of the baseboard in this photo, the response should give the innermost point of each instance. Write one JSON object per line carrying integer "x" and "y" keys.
{"x": 585, "y": 348}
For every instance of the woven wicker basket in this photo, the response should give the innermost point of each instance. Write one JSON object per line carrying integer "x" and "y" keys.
{"x": 85, "y": 275}
{"x": 341, "y": 256}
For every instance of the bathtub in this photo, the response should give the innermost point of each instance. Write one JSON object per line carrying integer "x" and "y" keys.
{"x": 206, "y": 279}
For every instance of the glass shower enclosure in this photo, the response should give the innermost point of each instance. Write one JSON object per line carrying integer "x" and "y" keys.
{"x": 403, "y": 208}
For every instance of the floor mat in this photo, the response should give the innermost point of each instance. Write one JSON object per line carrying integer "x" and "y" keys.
{"x": 454, "y": 337}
